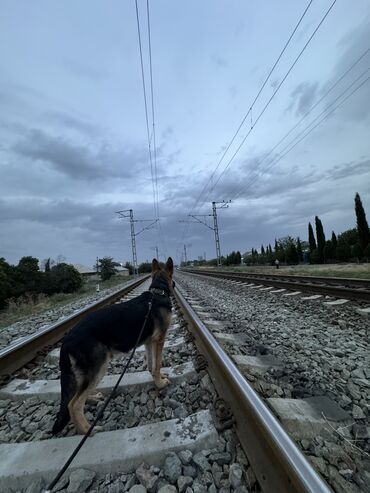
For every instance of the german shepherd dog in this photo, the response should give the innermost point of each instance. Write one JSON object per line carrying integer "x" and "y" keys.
{"x": 88, "y": 348}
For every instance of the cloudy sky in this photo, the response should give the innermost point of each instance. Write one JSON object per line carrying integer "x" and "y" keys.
{"x": 73, "y": 138}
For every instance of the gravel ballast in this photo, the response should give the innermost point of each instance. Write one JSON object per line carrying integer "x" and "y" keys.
{"x": 323, "y": 352}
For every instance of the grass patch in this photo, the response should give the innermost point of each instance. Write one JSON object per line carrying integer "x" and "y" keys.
{"x": 356, "y": 271}
{"x": 27, "y": 305}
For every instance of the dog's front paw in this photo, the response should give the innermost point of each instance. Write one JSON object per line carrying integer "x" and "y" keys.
{"x": 96, "y": 429}
{"x": 94, "y": 398}
{"x": 161, "y": 382}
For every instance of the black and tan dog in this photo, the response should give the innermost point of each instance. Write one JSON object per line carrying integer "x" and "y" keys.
{"x": 88, "y": 348}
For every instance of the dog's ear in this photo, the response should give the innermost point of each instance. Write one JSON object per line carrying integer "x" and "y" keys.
{"x": 169, "y": 266}
{"x": 155, "y": 265}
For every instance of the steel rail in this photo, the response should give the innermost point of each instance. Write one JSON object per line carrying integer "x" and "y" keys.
{"x": 25, "y": 349}
{"x": 279, "y": 282}
{"x": 346, "y": 281}
{"x": 277, "y": 462}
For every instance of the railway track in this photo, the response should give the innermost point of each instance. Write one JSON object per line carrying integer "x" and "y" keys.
{"x": 185, "y": 431}
{"x": 354, "y": 289}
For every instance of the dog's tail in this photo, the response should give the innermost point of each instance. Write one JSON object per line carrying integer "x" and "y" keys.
{"x": 68, "y": 386}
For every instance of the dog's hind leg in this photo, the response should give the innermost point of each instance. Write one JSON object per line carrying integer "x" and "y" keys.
{"x": 87, "y": 386}
{"x": 76, "y": 411}
{"x": 149, "y": 355}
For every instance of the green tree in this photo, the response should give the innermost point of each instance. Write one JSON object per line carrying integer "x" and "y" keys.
{"x": 280, "y": 251}
{"x": 144, "y": 268}
{"x": 320, "y": 236}
{"x": 328, "y": 252}
{"x": 28, "y": 276}
{"x": 8, "y": 287}
{"x": 262, "y": 250}
{"x": 107, "y": 268}
{"x": 350, "y": 236}
{"x": 238, "y": 258}
{"x": 367, "y": 252}
{"x": 343, "y": 252}
{"x": 299, "y": 250}
{"x": 129, "y": 267}
{"x": 357, "y": 251}
{"x": 362, "y": 225}
{"x": 311, "y": 238}
{"x": 334, "y": 243}
{"x": 62, "y": 278}
{"x": 288, "y": 246}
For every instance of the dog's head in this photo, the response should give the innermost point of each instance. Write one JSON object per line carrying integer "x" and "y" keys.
{"x": 162, "y": 275}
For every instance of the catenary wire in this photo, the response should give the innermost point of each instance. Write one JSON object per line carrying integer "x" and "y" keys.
{"x": 186, "y": 228}
{"x": 278, "y": 158}
{"x": 235, "y": 194}
{"x": 272, "y": 97}
{"x": 253, "y": 102}
{"x": 146, "y": 107}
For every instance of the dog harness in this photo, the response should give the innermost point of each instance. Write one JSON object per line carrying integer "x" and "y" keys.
{"x": 160, "y": 292}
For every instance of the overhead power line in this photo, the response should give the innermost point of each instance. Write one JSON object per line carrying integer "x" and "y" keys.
{"x": 151, "y": 133}
{"x": 152, "y": 105}
{"x": 246, "y": 116}
{"x": 273, "y": 95}
{"x": 308, "y": 112}
{"x": 253, "y": 102}
{"x": 307, "y": 130}
{"x": 145, "y": 106}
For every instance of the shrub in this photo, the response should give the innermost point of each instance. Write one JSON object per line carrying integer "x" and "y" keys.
{"x": 62, "y": 278}
{"x": 107, "y": 268}
{"x": 144, "y": 268}
{"x": 343, "y": 251}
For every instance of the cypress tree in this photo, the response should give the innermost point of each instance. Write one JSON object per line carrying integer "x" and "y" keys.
{"x": 334, "y": 241}
{"x": 262, "y": 250}
{"x": 320, "y": 237}
{"x": 311, "y": 238}
{"x": 299, "y": 250}
{"x": 362, "y": 226}
{"x": 276, "y": 246}
{"x": 270, "y": 249}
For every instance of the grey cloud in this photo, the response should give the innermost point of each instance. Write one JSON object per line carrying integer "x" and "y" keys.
{"x": 83, "y": 70}
{"x": 351, "y": 48}
{"x": 79, "y": 162}
{"x": 349, "y": 169}
{"x": 219, "y": 61}
{"x": 303, "y": 97}
{"x": 70, "y": 121}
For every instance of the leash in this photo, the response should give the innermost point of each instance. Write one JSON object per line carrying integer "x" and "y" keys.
{"x": 102, "y": 409}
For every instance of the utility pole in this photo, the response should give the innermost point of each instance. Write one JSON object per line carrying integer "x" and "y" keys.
{"x": 217, "y": 238}
{"x": 156, "y": 252}
{"x": 215, "y": 205}
{"x": 130, "y": 213}
{"x": 185, "y": 256}
{"x": 221, "y": 205}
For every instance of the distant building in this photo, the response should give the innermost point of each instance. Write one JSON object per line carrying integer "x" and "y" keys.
{"x": 84, "y": 270}
{"x": 122, "y": 271}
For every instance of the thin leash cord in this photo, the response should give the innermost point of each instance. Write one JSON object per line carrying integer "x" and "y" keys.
{"x": 101, "y": 411}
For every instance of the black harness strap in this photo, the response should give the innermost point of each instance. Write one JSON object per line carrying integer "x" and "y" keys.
{"x": 102, "y": 409}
